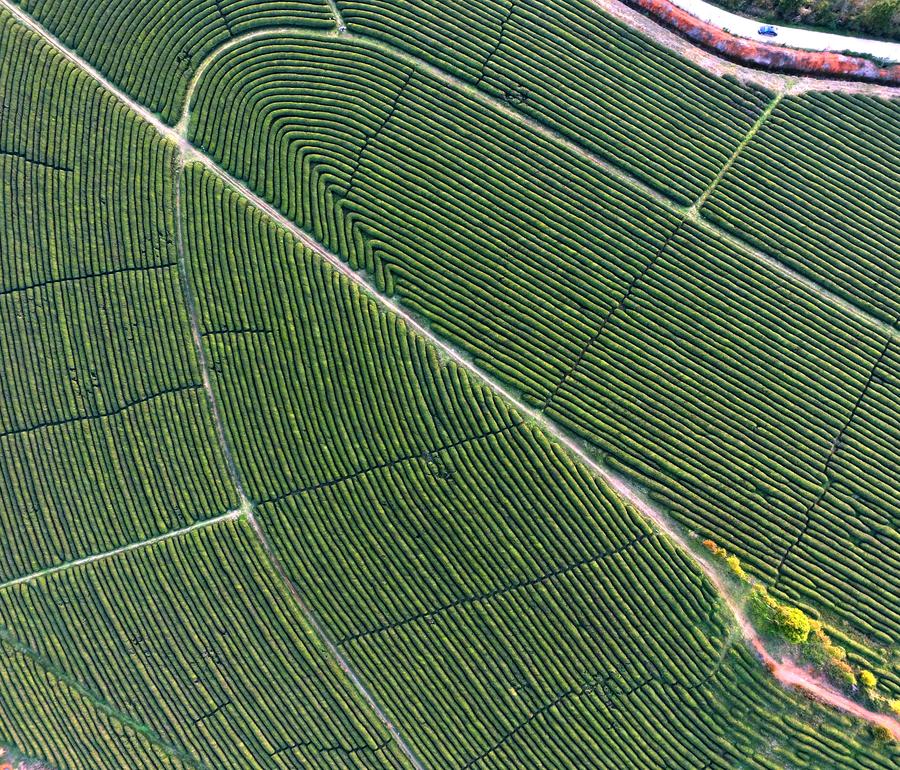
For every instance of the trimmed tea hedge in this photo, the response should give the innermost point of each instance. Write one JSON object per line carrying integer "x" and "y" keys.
{"x": 346, "y": 387}
{"x": 45, "y": 716}
{"x": 751, "y": 388}
{"x": 106, "y": 435}
{"x": 730, "y": 385}
{"x": 581, "y": 72}
{"x": 151, "y": 48}
{"x": 191, "y": 639}
{"x": 501, "y": 604}
{"x": 497, "y": 599}
{"x": 506, "y": 243}
{"x": 817, "y": 188}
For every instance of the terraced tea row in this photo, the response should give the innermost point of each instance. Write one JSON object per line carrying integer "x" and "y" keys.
{"x": 580, "y": 72}
{"x": 86, "y": 187}
{"x": 751, "y": 388}
{"x": 151, "y": 49}
{"x": 517, "y": 610}
{"x": 105, "y": 434}
{"x": 817, "y": 188}
{"x": 533, "y": 259}
{"x": 190, "y": 639}
{"x": 355, "y": 391}
{"x": 44, "y": 715}
{"x": 489, "y": 199}
{"x": 497, "y": 599}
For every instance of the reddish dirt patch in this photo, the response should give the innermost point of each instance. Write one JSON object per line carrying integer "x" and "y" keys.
{"x": 764, "y": 55}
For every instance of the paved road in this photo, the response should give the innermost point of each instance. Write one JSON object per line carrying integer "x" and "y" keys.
{"x": 793, "y": 37}
{"x": 784, "y": 671}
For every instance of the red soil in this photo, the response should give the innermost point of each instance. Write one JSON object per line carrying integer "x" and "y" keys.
{"x": 766, "y": 55}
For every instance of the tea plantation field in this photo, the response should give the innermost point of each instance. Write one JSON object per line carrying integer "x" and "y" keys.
{"x": 252, "y": 518}
{"x": 729, "y": 390}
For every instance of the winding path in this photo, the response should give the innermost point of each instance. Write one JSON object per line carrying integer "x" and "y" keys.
{"x": 785, "y": 672}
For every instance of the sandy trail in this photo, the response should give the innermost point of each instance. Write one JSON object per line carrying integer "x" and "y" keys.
{"x": 786, "y": 672}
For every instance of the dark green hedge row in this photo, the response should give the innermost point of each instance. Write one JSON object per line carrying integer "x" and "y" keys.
{"x": 729, "y": 392}
{"x": 194, "y": 639}
{"x": 106, "y": 435}
{"x": 151, "y": 48}
{"x": 502, "y": 605}
{"x": 506, "y": 243}
{"x": 45, "y": 717}
{"x": 817, "y": 188}
{"x": 720, "y": 385}
{"x": 576, "y": 69}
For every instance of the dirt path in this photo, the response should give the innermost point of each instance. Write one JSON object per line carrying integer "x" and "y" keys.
{"x": 785, "y": 672}
{"x": 122, "y": 549}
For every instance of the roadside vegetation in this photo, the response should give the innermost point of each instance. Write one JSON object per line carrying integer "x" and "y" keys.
{"x": 307, "y": 539}
{"x": 878, "y": 18}
{"x": 804, "y": 638}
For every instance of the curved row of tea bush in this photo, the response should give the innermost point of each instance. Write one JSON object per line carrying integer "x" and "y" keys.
{"x": 106, "y": 435}
{"x": 516, "y": 247}
{"x": 42, "y": 715}
{"x": 817, "y": 188}
{"x": 151, "y": 48}
{"x": 86, "y": 186}
{"x": 500, "y": 603}
{"x": 195, "y": 639}
{"x": 581, "y": 72}
{"x": 356, "y": 391}
{"x": 733, "y": 395}
{"x": 531, "y": 259}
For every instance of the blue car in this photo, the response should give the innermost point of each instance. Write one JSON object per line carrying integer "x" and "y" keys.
{"x": 768, "y": 30}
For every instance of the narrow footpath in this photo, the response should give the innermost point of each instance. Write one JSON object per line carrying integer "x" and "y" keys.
{"x": 786, "y": 672}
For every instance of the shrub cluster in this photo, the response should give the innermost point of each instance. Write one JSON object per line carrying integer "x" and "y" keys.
{"x": 792, "y": 625}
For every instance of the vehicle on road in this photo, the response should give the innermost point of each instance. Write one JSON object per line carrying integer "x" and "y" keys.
{"x": 768, "y": 30}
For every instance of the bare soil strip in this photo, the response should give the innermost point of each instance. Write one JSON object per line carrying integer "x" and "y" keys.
{"x": 774, "y": 81}
{"x": 786, "y": 672}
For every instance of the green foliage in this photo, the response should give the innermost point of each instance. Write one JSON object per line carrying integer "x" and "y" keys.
{"x": 841, "y": 672}
{"x": 207, "y": 653}
{"x": 881, "y": 16}
{"x": 733, "y": 562}
{"x": 867, "y": 679}
{"x": 872, "y": 17}
{"x": 151, "y": 48}
{"x": 586, "y": 75}
{"x": 106, "y": 436}
{"x": 792, "y": 623}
